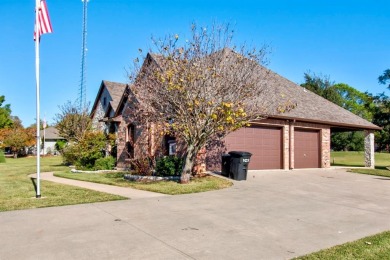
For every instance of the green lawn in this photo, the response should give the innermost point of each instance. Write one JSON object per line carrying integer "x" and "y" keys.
{"x": 382, "y": 160}
{"x": 372, "y": 247}
{"x": 17, "y": 189}
{"x": 357, "y": 159}
{"x": 167, "y": 187}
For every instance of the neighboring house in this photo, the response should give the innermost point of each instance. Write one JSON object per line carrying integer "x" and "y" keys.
{"x": 49, "y": 138}
{"x": 299, "y": 138}
{"x": 106, "y": 103}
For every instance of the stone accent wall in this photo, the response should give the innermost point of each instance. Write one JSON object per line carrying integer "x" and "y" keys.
{"x": 100, "y": 111}
{"x": 369, "y": 150}
{"x": 325, "y": 147}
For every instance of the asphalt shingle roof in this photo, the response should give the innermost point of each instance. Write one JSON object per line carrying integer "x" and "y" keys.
{"x": 309, "y": 107}
{"x": 51, "y": 133}
{"x": 116, "y": 91}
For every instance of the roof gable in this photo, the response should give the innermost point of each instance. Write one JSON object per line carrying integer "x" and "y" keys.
{"x": 115, "y": 91}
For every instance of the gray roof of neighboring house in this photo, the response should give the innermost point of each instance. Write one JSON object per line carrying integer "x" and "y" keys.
{"x": 51, "y": 133}
{"x": 309, "y": 107}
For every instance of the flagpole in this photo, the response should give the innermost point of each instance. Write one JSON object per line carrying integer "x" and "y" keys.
{"x": 37, "y": 39}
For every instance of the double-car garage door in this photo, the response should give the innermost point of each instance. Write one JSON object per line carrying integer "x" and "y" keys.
{"x": 266, "y": 146}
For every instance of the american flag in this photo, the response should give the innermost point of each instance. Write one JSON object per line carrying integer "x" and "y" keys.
{"x": 43, "y": 20}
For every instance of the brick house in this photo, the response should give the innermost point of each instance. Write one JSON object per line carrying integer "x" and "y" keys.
{"x": 299, "y": 138}
{"x": 112, "y": 113}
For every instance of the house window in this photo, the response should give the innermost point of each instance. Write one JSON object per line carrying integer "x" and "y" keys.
{"x": 130, "y": 133}
{"x": 172, "y": 147}
{"x": 104, "y": 101}
{"x": 130, "y": 140}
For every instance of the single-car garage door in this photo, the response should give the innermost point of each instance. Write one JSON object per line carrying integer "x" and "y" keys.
{"x": 306, "y": 148}
{"x": 265, "y": 144}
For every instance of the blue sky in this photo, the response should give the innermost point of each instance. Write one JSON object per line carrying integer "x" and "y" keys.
{"x": 347, "y": 40}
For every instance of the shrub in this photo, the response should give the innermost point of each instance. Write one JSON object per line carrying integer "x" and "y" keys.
{"x": 91, "y": 148}
{"x": 106, "y": 163}
{"x": 2, "y": 157}
{"x": 143, "y": 166}
{"x": 84, "y": 153}
{"x": 169, "y": 166}
{"x": 60, "y": 145}
{"x": 69, "y": 154}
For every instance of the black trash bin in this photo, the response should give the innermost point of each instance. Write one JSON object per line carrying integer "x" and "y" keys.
{"x": 225, "y": 169}
{"x": 239, "y": 163}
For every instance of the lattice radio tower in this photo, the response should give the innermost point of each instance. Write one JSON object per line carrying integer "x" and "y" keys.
{"x": 83, "y": 75}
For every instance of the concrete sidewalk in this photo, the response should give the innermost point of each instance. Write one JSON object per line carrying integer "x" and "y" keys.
{"x": 121, "y": 191}
{"x": 272, "y": 215}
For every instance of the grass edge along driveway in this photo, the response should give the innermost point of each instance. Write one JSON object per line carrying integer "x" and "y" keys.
{"x": 371, "y": 247}
{"x": 198, "y": 184}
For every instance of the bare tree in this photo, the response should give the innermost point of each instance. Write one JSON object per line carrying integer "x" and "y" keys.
{"x": 201, "y": 88}
{"x": 72, "y": 122}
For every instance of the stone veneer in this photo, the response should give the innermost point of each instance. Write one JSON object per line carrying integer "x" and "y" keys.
{"x": 369, "y": 150}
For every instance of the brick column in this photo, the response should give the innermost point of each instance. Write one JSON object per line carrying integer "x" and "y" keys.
{"x": 369, "y": 156}
{"x": 286, "y": 147}
{"x": 291, "y": 145}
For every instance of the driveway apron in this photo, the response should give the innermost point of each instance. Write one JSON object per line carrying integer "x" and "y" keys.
{"x": 272, "y": 215}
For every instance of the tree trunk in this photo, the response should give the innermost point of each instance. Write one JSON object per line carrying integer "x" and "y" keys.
{"x": 188, "y": 165}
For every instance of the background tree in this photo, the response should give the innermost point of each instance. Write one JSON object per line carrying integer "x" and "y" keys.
{"x": 16, "y": 122}
{"x": 384, "y": 78}
{"x": 201, "y": 88}
{"x": 5, "y": 114}
{"x": 382, "y": 118}
{"x": 381, "y": 112}
{"x": 348, "y": 98}
{"x": 322, "y": 86}
{"x": 41, "y": 123}
{"x": 17, "y": 139}
{"x": 355, "y": 101}
{"x": 72, "y": 122}
{"x": 348, "y": 141}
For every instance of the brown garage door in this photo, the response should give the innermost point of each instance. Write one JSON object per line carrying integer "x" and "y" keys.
{"x": 306, "y": 148}
{"x": 265, "y": 144}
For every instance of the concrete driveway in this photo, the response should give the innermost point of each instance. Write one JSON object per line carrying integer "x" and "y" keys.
{"x": 272, "y": 215}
